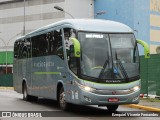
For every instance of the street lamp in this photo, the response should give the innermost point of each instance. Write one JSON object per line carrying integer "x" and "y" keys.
{"x": 61, "y": 9}
{"x": 97, "y": 13}
{"x": 6, "y": 45}
{"x": 100, "y": 13}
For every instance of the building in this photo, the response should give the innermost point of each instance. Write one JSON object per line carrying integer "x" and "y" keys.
{"x": 23, "y": 16}
{"x": 143, "y": 16}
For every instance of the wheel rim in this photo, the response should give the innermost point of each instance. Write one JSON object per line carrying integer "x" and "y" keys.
{"x": 25, "y": 93}
{"x": 62, "y": 100}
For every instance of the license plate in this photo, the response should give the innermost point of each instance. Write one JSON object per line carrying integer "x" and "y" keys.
{"x": 113, "y": 100}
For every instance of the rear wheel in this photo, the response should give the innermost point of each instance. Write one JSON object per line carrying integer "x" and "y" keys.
{"x": 112, "y": 107}
{"x": 62, "y": 99}
{"x": 27, "y": 97}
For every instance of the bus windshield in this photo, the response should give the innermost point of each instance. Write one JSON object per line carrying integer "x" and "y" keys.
{"x": 108, "y": 56}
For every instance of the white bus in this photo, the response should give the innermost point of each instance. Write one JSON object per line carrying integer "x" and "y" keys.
{"x": 79, "y": 61}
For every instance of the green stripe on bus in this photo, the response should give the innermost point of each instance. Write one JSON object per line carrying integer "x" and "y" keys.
{"x": 47, "y": 73}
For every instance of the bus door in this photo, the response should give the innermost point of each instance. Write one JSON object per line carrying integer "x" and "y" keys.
{"x": 69, "y": 33}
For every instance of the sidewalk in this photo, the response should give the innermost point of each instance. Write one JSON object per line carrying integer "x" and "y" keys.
{"x": 6, "y": 88}
{"x": 147, "y": 104}
{"x": 151, "y": 103}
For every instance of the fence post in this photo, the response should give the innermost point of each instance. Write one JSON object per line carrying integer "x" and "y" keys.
{"x": 147, "y": 77}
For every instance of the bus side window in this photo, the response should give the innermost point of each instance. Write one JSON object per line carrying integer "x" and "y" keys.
{"x": 55, "y": 43}
{"x": 16, "y": 48}
{"x": 21, "y": 54}
{"x": 39, "y": 45}
{"x": 26, "y": 48}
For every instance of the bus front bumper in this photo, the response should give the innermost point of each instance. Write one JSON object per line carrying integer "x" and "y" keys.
{"x": 83, "y": 97}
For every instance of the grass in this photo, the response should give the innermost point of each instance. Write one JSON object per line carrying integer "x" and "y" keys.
{"x": 150, "y": 99}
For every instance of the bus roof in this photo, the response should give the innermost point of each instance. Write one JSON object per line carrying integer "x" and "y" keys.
{"x": 95, "y": 25}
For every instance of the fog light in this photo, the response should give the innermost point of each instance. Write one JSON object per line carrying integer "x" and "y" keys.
{"x": 136, "y": 98}
{"x": 87, "y": 99}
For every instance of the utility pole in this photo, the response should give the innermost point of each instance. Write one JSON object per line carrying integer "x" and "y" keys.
{"x": 24, "y": 29}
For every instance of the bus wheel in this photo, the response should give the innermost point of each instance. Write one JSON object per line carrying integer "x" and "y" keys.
{"x": 112, "y": 107}
{"x": 62, "y": 100}
{"x": 27, "y": 97}
{"x": 25, "y": 93}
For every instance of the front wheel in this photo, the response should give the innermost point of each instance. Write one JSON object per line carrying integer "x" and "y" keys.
{"x": 112, "y": 107}
{"x": 62, "y": 99}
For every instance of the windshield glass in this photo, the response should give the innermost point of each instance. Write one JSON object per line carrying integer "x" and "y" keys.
{"x": 108, "y": 56}
{"x": 95, "y": 52}
{"x": 125, "y": 54}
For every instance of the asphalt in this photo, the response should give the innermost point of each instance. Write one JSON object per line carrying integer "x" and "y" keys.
{"x": 143, "y": 104}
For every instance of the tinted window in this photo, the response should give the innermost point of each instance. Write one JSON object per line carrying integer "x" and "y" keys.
{"x": 55, "y": 43}
{"x": 49, "y": 43}
{"x": 22, "y": 49}
{"x": 16, "y": 47}
{"x": 39, "y": 45}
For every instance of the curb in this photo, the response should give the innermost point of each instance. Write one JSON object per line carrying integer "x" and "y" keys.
{"x": 151, "y": 109}
{"x": 6, "y": 88}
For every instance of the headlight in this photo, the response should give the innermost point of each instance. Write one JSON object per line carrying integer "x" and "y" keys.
{"x": 136, "y": 88}
{"x": 86, "y": 88}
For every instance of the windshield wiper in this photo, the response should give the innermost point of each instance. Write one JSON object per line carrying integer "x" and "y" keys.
{"x": 104, "y": 67}
{"x": 108, "y": 73}
{"x": 122, "y": 68}
{"x": 121, "y": 65}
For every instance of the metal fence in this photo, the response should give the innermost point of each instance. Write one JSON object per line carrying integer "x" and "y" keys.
{"x": 6, "y": 80}
{"x": 150, "y": 75}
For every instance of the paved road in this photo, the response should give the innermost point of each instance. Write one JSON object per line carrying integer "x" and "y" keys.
{"x": 12, "y": 101}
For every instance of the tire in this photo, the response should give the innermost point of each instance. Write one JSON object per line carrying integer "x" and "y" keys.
{"x": 27, "y": 97}
{"x": 61, "y": 99}
{"x": 112, "y": 107}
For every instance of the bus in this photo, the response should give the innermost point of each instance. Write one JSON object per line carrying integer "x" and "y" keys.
{"x": 79, "y": 61}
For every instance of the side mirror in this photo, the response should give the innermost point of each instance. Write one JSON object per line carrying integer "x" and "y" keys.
{"x": 146, "y": 48}
{"x": 75, "y": 48}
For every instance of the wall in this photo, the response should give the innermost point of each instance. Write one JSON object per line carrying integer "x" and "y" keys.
{"x": 38, "y": 13}
{"x": 154, "y": 24}
{"x": 141, "y": 21}
{"x": 134, "y": 13}
{"x": 116, "y": 10}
